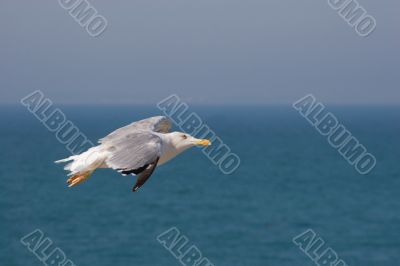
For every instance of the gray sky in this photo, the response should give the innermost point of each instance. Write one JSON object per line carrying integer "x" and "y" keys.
{"x": 208, "y": 51}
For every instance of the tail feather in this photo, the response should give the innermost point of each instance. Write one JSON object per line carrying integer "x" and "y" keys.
{"x": 70, "y": 158}
{"x": 83, "y": 165}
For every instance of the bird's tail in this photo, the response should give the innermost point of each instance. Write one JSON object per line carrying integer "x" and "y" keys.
{"x": 83, "y": 165}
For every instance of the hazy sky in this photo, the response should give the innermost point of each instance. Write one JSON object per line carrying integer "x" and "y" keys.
{"x": 206, "y": 51}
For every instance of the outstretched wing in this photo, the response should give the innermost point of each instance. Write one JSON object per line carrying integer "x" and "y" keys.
{"x": 159, "y": 124}
{"x": 135, "y": 153}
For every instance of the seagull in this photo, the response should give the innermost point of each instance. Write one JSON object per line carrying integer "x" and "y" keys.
{"x": 135, "y": 149}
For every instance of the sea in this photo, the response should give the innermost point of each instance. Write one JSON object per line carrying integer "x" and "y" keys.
{"x": 290, "y": 181}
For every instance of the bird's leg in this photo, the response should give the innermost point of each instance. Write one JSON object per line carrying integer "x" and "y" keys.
{"x": 77, "y": 178}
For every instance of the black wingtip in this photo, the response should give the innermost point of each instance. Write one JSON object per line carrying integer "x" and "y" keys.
{"x": 135, "y": 188}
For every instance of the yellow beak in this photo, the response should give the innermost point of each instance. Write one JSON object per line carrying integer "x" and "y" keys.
{"x": 203, "y": 142}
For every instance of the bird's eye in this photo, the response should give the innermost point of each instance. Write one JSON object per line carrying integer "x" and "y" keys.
{"x": 184, "y": 136}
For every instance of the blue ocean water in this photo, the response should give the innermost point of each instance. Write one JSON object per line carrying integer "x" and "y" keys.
{"x": 289, "y": 180}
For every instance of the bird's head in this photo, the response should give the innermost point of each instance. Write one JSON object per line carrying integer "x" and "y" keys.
{"x": 183, "y": 140}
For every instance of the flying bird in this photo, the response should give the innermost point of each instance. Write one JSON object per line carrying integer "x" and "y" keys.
{"x": 135, "y": 149}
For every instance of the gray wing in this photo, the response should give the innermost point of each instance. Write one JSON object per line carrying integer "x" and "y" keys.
{"x": 157, "y": 124}
{"x": 135, "y": 153}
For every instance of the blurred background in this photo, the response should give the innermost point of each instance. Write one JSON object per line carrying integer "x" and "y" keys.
{"x": 239, "y": 65}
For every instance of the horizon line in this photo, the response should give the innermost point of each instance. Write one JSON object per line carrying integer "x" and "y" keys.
{"x": 378, "y": 104}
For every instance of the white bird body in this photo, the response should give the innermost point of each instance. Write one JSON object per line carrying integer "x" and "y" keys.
{"x": 134, "y": 149}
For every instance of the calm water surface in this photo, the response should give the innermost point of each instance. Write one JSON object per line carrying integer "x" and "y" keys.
{"x": 289, "y": 180}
